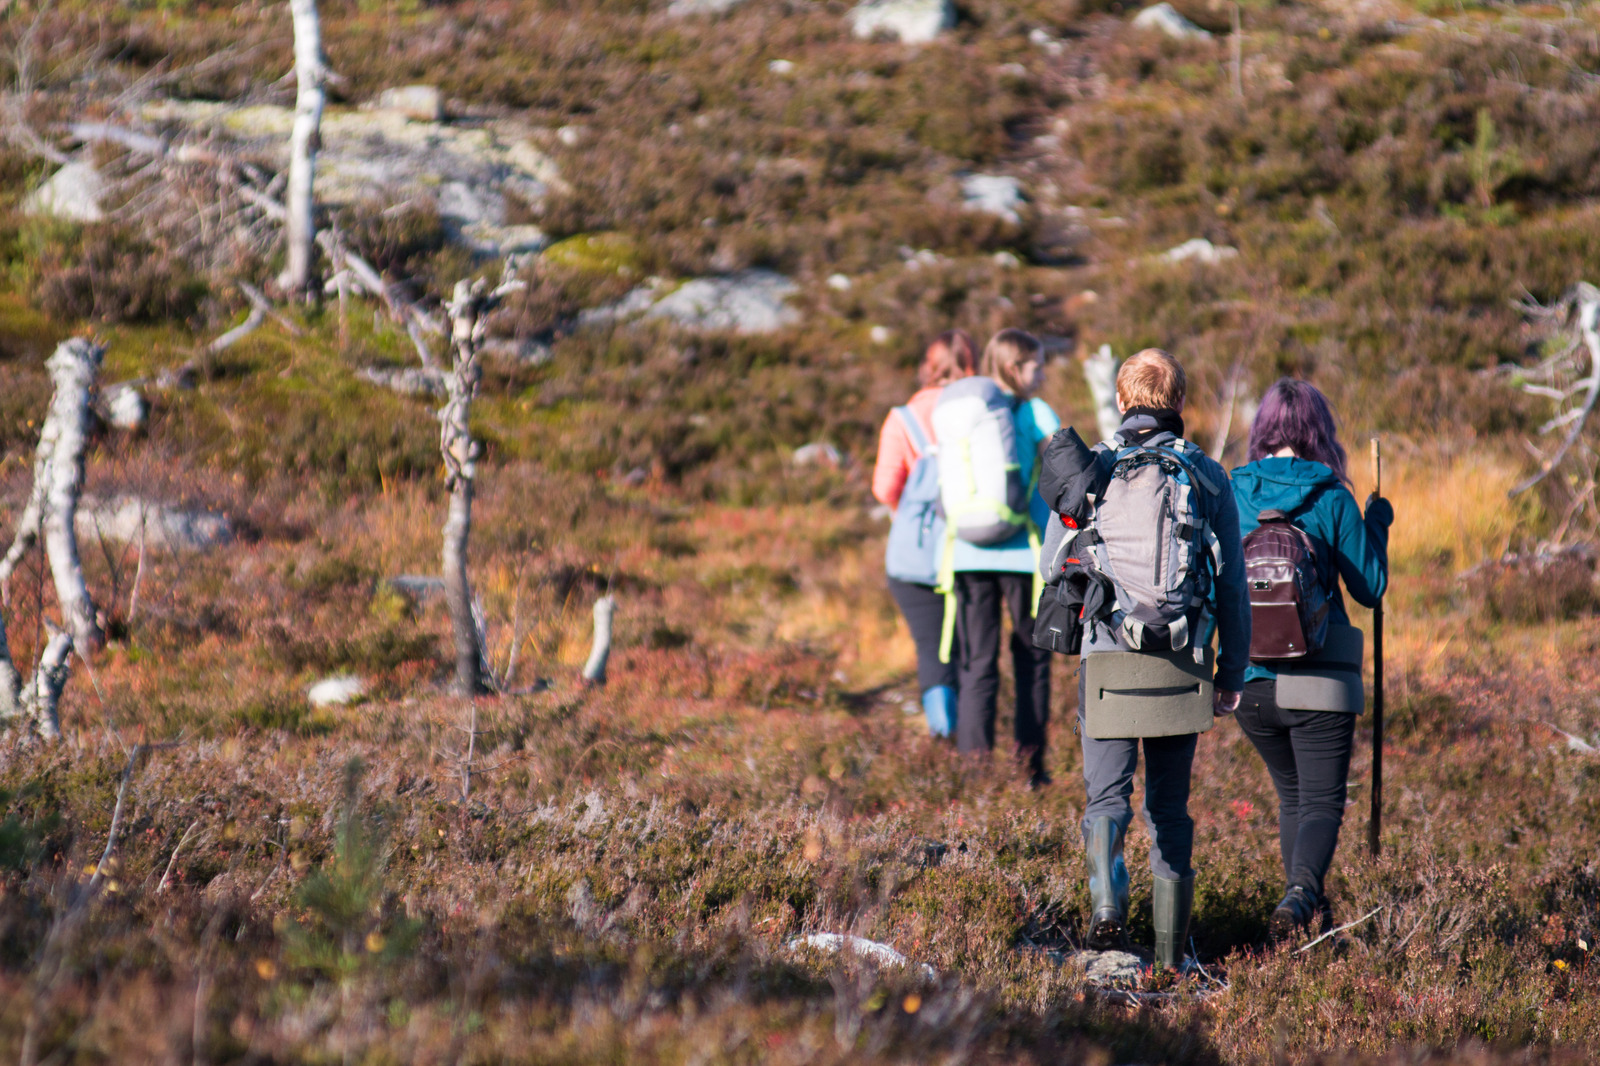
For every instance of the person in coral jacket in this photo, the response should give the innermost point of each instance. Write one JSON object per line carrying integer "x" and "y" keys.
{"x": 950, "y": 357}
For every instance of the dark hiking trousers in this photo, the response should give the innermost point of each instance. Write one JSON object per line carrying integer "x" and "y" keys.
{"x": 979, "y": 597}
{"x": 924, "y": 612}
{"x": 1108, "y": 769}
{"x": 1308, "y": 755}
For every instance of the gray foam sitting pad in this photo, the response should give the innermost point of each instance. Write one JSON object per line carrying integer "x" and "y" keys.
{"x": 1146, "y": 694}
{"x": 1317, "y": 688}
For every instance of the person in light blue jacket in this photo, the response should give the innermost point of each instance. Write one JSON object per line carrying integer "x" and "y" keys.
{"x": 988, "y": 579}
{"x": 1298, "y": 466}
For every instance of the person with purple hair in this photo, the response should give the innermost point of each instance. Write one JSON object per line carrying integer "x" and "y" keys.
{"x": 1298, "y": 466}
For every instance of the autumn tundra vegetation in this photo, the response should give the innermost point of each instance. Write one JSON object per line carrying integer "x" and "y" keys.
{"x": 605, "y": 301}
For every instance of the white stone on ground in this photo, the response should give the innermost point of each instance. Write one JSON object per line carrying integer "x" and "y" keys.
{"x": 750, "y": 301}
{"x": 1165, "y": 19}
{"x": 882, "y": 954}
{"x": 839, "y": 282}
{"x": 126, "y": 406}
{"x": 818, "y": 453}
{"x": 1200, "y": 250}
{"x": 421, "y": 103}
{"x": 72, "y": 193}
{"x": 880, "y": 334}
{"x": 681, "y": 8}
{"x": 994, "y": 194}
{"x": 781, "y": 66}
{"x": 912, "y": 21}
{"x": 337, "y": 690}
{"x": 120, "y": 518}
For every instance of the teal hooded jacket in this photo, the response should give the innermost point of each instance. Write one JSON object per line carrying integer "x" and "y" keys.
{"x": 1319, "y": 503}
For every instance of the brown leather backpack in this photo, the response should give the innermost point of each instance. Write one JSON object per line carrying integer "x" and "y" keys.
{"x": 1288, "y": 602}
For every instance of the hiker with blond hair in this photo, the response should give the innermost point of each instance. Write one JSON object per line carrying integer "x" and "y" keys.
{"x": 1303, "y": 690}
{"x": 1145, "y": 545}
{"x": 906, "y": 480}
{"x": 991, "y": 428}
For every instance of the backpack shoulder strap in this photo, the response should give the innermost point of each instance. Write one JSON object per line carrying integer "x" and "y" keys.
{"x": 919, "y": 439}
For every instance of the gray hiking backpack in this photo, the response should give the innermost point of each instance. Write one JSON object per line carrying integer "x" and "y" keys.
{"x": 1148, "y": 535}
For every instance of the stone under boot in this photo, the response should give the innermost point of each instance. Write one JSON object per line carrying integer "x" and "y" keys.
{"x": 1108, "y": 886}
{"x": 1171, "y": 902}
{"x": 939, "y": 707}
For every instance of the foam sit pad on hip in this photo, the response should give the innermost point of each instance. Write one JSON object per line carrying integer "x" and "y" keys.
{"x": 1146, "y": 694}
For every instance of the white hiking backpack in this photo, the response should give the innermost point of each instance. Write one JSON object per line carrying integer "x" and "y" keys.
{"x": 980, "y": 484}
{"x": 1148, "y": 535}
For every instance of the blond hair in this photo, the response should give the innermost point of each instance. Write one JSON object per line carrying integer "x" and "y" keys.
{"x": 1006, "y": 354}
{"x": 1151, "y": 379}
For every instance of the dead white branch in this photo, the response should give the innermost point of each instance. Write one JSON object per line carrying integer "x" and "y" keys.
{"x": 310, "y": 73}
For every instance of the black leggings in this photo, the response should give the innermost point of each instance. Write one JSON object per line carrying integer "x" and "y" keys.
{"x": 1308, "y": 755}
{"x": 981, "y": 596}
{"x": 924, "y": 612}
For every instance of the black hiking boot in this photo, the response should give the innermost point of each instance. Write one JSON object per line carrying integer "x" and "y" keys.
{"x": 1294, "y": 913}
{"x": 1170, "y": 905}
{"x": 1108, "y": 886}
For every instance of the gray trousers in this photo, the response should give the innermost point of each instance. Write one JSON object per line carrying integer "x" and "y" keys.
{"x": 1108, "y": 769}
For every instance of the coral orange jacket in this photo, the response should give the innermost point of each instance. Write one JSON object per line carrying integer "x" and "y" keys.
{"x": 896, "y": 453}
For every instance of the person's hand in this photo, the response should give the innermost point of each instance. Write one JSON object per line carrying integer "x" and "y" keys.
{"x": 1379, "y": 512}
{"x": 1223, "y": 702}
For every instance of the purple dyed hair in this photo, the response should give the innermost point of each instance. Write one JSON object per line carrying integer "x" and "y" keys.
{"x": 1295, "y": 415}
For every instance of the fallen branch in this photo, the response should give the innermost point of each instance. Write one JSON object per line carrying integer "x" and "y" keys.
{"x": 167, "y": 875}
{"x": 1342, "y": 928}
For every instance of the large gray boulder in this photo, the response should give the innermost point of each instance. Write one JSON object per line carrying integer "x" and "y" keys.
{"x": 72, "y": 193}
{"x": 1164, "y": 18}
{"x": 912, "y": 21}
{"x": 122, "y": 519}
{"x": 750, "y": 301}
{"x": 393, "y": 152}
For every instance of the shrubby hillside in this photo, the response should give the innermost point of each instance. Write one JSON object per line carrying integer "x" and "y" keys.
{"x": 739, "y": 223}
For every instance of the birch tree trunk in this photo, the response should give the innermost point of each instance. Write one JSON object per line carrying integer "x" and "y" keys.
{"x": 74, "y": 366}
{"x": 460, "y": 453}
{"x": 1100, "y": 371}
{"x": 469, "y": 310}
{"x": 310, "y": 97}
{"x": 57, "y": 482}
{"x": 10, "y": 680}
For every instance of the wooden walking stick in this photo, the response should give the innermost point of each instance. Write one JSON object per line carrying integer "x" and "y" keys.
{"x": 1375, "y": 823}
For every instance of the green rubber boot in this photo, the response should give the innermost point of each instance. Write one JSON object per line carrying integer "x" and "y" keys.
{"x": 1171, "y": 903}
{"x": 1108, "y": 886}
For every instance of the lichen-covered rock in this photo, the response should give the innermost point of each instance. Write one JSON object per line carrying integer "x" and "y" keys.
{"x": 912, "y": 21}
{"x": 385, "y": 153}
{"x": 421, "y": 103}
{"x": 750, "y": 301}
{"x": 336, "y": 691}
